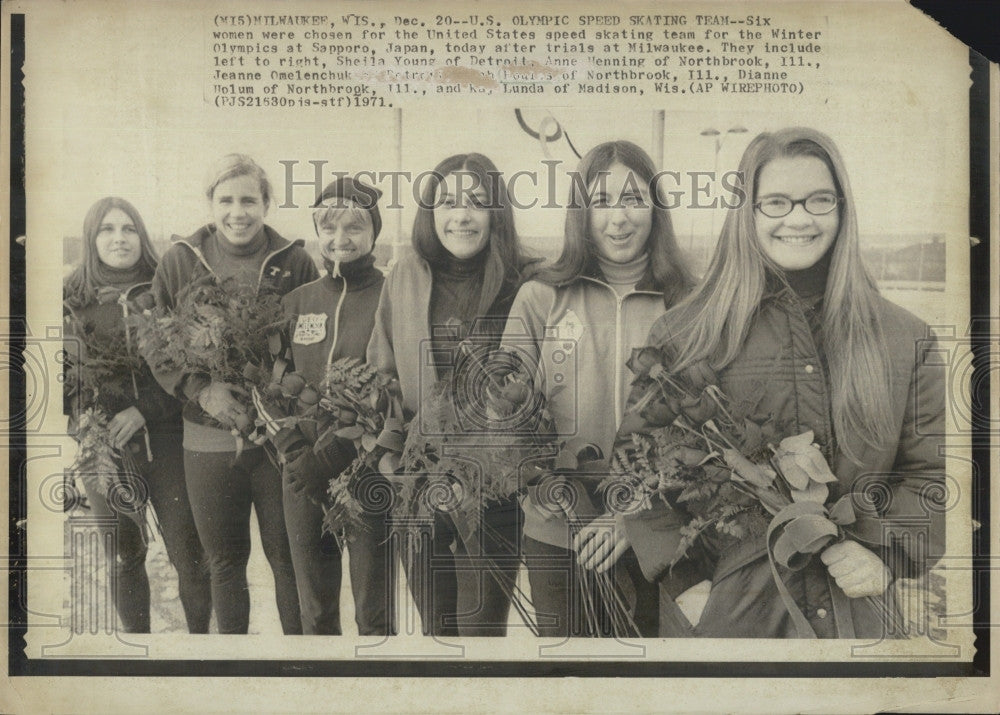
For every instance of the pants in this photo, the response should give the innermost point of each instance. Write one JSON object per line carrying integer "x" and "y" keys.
{"x": 462, "y": 583}
{"x": 222, "y": 490}
{"x": 165, "y": 483}
{"x": 317, "y": 561}
{"x": 568, "y": 600}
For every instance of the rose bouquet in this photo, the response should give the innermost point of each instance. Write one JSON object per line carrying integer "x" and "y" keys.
{"x": 715, "y": 462}
{"x": 112, "y": 473}
{"x": 225, "y": 330}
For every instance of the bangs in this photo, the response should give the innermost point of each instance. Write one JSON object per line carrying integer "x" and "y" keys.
{"x": 332, "y": 216}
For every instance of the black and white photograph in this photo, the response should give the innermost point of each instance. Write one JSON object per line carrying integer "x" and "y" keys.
{"x": 447, "y": 344}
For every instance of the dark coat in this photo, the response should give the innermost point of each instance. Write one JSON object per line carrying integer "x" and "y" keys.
{"x": 102, "y": 323}
{"x": 780, "y": 360}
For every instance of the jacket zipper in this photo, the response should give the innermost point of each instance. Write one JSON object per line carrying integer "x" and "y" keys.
{"x": 260, "y": 276}
{"x": 336, "y": 317}
{"x": 619, "y": 347}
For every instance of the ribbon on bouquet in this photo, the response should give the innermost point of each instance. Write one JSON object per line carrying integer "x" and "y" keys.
{"x": 798, "y": 532}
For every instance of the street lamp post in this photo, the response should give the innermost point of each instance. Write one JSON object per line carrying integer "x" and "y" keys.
{"x": 719, "y": 138}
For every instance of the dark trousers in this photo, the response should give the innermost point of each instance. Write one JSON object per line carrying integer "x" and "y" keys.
{"x": 318, "y": 569}
{"x": 164, "y": 482}
{"x": 569, "y": 602}
{"x": 222, "y": 489}
{"x": 462, "y": 579}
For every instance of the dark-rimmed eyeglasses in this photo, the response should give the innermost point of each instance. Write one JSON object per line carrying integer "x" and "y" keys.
{"x": 818, "y": 203}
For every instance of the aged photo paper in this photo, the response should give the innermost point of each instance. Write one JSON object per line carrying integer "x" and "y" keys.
{"x": 139, "y": 100}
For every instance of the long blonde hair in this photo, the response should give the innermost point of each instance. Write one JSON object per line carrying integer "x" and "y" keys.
{"x": 714, "y": 320}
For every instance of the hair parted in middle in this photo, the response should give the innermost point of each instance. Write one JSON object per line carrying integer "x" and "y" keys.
{"x": 712, "y": 323}
{"x": 668, "y": 269}
{"x": 506, "y": 260}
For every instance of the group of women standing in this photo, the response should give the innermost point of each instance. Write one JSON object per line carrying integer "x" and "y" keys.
{"x": 785, "y": 304}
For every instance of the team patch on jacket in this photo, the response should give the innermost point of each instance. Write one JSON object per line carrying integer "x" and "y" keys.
{"x": 310, "y": 328}
{"x": 569, "y": 329}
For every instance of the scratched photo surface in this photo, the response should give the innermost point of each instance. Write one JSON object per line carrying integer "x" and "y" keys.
{"x": 367, "y": 363}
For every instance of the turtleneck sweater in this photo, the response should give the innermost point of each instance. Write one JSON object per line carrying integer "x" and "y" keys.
{"x": 811, "y": 282}
{"x": 623, "y": 277}
{"x": 456, "y": 289}
{"x": 122, "y": 278}
{"x": 229, "y": 260}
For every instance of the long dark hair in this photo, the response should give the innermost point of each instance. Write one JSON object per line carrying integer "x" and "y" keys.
{"x": 80, "y": 287}
{"x": 506, "y": 260}
{"x": 667, "y": 271}
{"x": 714, "y": 321}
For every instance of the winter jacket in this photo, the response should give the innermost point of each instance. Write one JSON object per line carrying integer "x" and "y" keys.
{"x": 330, "y": 318}
{"x": 579, "y": 336}
{"x": 286, "y": 266}
{"x": 400, "y": 345}
{"x": 780, "y": 365}
{"x": 102, "y": 322}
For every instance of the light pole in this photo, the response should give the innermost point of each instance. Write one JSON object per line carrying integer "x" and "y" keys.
{"x": 719, "y": 138}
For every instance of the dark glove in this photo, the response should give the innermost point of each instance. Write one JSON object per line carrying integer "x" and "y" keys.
{"x": 306, "y": 475}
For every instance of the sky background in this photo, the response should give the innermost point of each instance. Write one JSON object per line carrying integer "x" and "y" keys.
{"x": 122, "y": 108}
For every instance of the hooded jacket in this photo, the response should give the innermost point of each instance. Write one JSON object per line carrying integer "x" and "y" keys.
{"x": 780, "y": 364}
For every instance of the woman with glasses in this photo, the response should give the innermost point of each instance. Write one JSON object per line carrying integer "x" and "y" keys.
{"x": 788, "y": 319}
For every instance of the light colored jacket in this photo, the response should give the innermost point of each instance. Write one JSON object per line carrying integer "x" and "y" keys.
{"x": 579, "y": 337}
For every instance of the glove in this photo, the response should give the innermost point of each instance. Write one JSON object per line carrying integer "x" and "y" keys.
{"x": 307, "y": 476}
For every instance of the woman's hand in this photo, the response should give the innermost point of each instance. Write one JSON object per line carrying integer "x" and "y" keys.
{"x": 858, "y": 571}
{"x": 124, "y": 425}
{"x": 218, "y": 401}
{"x": 601, "y": 543}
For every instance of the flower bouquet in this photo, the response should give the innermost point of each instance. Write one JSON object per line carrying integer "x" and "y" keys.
{"x": 354, "y": 403}
{"x": 715, "y": 462}
{"x": 484, "y": 430}
{"x": 110, "y": 472}
{"x": 226, "y": 330}
{"x": 364, "y": 407}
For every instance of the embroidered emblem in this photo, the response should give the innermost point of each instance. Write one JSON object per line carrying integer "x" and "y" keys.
{"x": 569, "y": 330}
{"x": 310, "y": 328}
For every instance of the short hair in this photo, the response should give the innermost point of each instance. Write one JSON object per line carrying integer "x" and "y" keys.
{"x": 232, "y": 165}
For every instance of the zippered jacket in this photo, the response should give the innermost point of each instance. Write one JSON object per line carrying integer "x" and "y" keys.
{"x": 400, "y": 345}
{"x": 286, "y": 266}
{"x": 104, "y": 323}
{"x": 579, "y": 336}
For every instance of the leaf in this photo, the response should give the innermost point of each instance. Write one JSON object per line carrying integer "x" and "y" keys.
{"x": 800, "y": 462}
{"x": 368, "y": 442}
{"x": 351, "y": 432}
{"x": 756, "y": 474}
{"x": 842, "y": 512}
{"x": 814, "y": 492}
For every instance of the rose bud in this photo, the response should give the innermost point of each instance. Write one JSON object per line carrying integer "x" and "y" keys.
{"x": 274, "y": 391}
{"x": 644, "y": 360}
{"x": 145, "y": 301}
{"x": 348, "y": 417}
{"x": 658, "y": 413}
{"x": 698, "y": 409}
{"x": 308, "y": 396}
{"x": 515, "y": 392}
{"x": 251, "y": 372}
{"x": 293, "y": 383}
